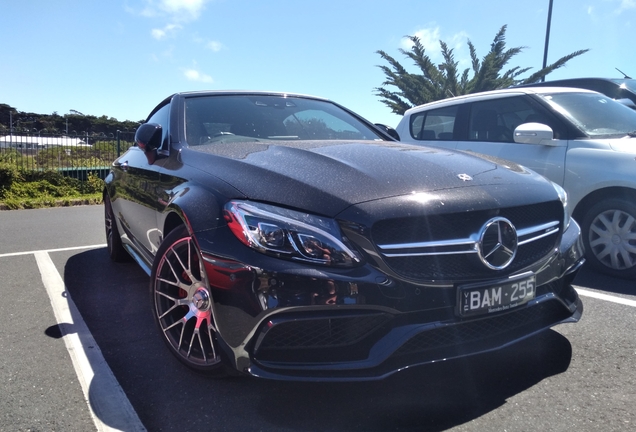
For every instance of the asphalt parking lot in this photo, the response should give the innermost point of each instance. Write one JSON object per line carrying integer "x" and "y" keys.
{"x": 79, "y": 352}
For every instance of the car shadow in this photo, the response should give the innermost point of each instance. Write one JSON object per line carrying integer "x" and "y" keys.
{"x": 590, "y": 278}
{"x": 433, "y": 397}
{"x": 113, "y": 300}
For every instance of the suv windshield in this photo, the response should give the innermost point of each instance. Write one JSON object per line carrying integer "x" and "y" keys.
{"x": 596, "y": 115}
{"x": 234, "y": 118}
{"x": 627, "y": 83}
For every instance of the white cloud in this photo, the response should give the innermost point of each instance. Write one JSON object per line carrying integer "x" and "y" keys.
{"x": 177, "y": 10}
{"x": 192, "y": 8}
{"x": 193, "y": 74}
{"x": 430, "y": 37}
{"x": 458, "y": 41}
{"x": 214, "y": 46}
{"x": 163, "y": 33}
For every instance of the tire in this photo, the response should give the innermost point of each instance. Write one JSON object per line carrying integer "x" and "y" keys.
{"x": 609, "y": 236}
{"x": 114, "y": 245}
{"x": 182, "y": 304}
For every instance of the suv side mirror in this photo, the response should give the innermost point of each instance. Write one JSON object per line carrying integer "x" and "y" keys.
{"x": 534, "y": 133}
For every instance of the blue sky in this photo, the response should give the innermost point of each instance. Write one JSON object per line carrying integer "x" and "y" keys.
{"x": 120, "y": 58}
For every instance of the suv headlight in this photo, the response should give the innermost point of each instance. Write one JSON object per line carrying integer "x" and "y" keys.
{"x": 563, "y": 196}
{"x": 290, "y": 234}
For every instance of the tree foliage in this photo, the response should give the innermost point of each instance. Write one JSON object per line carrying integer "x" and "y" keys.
{"x": 74, "y": 123}
{"x": 435, "y": 82}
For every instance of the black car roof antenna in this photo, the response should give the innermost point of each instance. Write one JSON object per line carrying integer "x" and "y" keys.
{"x": 624, "y": 74}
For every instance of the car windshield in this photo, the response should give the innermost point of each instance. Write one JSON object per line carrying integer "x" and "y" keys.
{"x": 240, "y": 118}
{"x": 596, "y": 115}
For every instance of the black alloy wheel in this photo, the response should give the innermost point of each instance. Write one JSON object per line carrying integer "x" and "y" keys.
{"x": 609, "y": 235}
{"x": 116, "y": 249}
{"x": 182, "y": 303}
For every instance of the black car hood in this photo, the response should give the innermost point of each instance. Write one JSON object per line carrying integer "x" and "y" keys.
{"x": 326, "y": 177}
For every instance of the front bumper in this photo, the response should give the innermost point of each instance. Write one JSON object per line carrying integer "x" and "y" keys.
{"x": 290, "y": 322}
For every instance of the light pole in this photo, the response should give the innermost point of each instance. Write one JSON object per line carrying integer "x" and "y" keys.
{"x": 547, "y": 39}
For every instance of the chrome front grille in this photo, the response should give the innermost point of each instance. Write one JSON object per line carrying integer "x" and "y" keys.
{"x": 446, "y": 247}
{"x": 462, "y": 246}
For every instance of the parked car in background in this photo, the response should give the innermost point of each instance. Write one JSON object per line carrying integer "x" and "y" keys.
{"x": 286, "y": 237}
{"x": 582, "y": 140}
{"x": 622, "y": 90}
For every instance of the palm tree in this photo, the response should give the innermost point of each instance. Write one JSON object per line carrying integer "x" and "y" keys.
{"x": 444, "y": 80}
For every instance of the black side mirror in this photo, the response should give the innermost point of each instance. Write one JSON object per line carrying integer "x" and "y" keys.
{"x": 148, "y": 137}
{"x": 388, "y": 130}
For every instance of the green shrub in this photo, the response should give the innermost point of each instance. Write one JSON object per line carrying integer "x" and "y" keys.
{"x": 10, "y": 156}
{"x": 94, "y": 184}
{"x": 35, "y": 189}
{"x": 9, "y": 174}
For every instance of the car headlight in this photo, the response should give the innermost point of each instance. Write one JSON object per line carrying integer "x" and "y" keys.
{"x": 563, "y": 196}
{"x": 290, "y": 234}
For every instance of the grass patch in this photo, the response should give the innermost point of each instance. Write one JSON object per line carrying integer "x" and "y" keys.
{"x": 22, "y": 189}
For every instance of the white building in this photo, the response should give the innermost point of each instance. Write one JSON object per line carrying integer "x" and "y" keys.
{"x": 37, "y": 142}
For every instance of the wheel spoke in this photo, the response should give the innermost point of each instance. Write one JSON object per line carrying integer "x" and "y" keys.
{"x": 601, "y": 232}
{"x": 614, "y": 259}
{"x": 195, "y": 335}
{"x": 177, "y": 284}
{"x": 629, "y": 248}
{"x": 211, "y": 329}
{"x": 616, "y": 221}
{"x": 172, "y": 308}
{"x": 174, "y": 272}
{"x": 605, "y": 220}
{"x": 599, "y": 242}
{"x": 628, "y": 258}
{"x": 185, "y": 320}
{"x": 187, "y": 268}
{"x": 178, "y": 301}
{"x": 628, "y": 226}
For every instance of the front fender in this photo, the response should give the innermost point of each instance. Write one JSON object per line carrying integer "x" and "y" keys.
{"x": 591, "y": 169}
{"x": 195, "y": 207}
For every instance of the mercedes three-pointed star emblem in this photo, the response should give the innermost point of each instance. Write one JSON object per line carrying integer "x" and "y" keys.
{"x": 498, "y": 243}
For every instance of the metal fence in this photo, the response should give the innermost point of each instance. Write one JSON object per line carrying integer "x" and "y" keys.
{"x": 74, "y": 156}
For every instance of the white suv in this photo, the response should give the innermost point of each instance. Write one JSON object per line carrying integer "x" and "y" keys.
{"x": 582, "y": 140}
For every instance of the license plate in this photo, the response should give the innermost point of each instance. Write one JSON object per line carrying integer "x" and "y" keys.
{"x": 492, "y": 298}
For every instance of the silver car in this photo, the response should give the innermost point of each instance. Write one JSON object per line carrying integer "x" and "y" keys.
{"x": 579, "y": 139}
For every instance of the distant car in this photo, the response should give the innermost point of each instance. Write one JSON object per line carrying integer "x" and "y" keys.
{"x": 622, "y": 90}
{"x": 582, "y": 140}
{"x": 286, "y": 237}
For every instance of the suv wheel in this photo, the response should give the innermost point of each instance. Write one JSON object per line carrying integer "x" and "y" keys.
{"x": 609, "y": 235}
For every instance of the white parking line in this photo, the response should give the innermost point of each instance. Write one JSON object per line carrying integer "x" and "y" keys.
{"x": 52, "y": 250}
{"x": 606, "y": 297}
{"x": 109, "y": 407}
